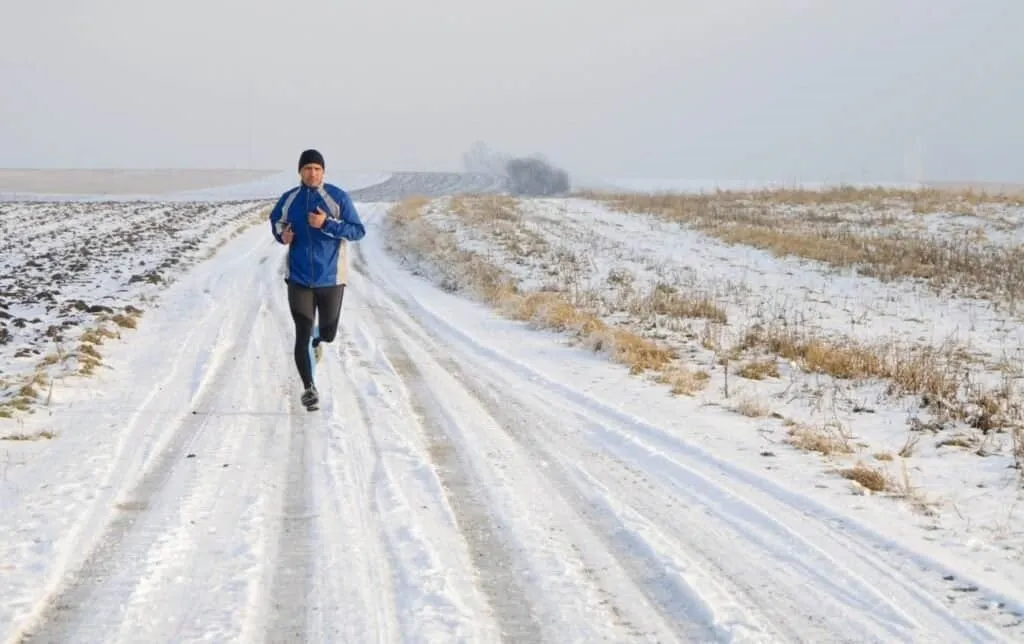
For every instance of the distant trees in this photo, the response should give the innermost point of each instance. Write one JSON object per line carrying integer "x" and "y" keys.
{"x": 525, "y": 176}
{"x": 536, "y": 177}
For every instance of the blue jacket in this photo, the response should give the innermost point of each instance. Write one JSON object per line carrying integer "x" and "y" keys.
{"x": 317, "y": 257}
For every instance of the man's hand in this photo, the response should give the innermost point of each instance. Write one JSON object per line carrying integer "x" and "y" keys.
{"x": 287, "y": 235}
{"x": 317, "y": 219}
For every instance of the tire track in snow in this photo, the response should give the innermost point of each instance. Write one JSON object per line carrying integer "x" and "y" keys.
{"x": 847, "y": 572}
{"x": 120, "y": 553}
{"x": 291, "y": 593}
{"x": 751, "y": 569}
{"x": 292, "y": 597}
{"x": 842, "y": 583}
{"x": 332, "y": 579}
{"x": 672, "y": 606}
{"x": 499, "y": 583}
{"x": 207, "y": 573}
{"x": 409, "y": 572}
{"x": 354, "y": 578}
{"x": 680, "y": 606}
{"x": 98, "y": 594}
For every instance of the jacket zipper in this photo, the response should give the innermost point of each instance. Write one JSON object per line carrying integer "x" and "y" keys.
{"x": 309, "y": 231}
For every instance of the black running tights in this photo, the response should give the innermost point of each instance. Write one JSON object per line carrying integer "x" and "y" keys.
{"x": 305, "y": 303}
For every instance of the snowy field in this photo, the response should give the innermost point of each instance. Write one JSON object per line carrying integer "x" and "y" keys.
{"x": 484, "y": 467}
{"x": 78, "y": 271}
{"x": 40, "y": 183}
{"x": 158, "y": 185}
{"x": 892, "y": 398}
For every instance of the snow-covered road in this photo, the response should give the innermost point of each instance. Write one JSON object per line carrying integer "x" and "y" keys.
{"x": 466, "y": 479}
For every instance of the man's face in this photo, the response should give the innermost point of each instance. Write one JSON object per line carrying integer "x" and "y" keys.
{"x": 312, "y": 174}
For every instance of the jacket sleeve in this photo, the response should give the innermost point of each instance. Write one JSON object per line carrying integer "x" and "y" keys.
{"x": 349, "y": 226}
{"x": 278, "y": 220}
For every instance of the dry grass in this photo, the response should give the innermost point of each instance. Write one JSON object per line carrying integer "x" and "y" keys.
{"x": 667, "y": 300}
{"x": 574, "y": 303}
{"x": 552, "y": 311}
{"x": 35, "y": 436}
{"x": 826, "y": 440}
{"x": 486, "y": 209}
{"x": 124, "y": 321}
{"x": 28, "y": 390}
{"x": 97, "y": 335}
{"x": 569, "y": 304}
{"x": 877, "y": 480}
{"x": 87, "y": 354}
{"x": 547, "y": 309}
{"x": 934, "y": 374}
{"x": 683, "y": 380}
{"x": 759, "y": 369}
{"x": 409, "y": 210}
{"x": 20, "y": 403}
{"x": 871, "y": 478}
{"x": 910, "y": 445}
{"x": 924, "y": 200}
{"x": 752, "y": 407}
{"x": 87, "y": 357}
{"x": 831, "y": 226}
{"x": 561, "y": 310}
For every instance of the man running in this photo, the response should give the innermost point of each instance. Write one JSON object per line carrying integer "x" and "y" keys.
{"x": 316, "y": 220}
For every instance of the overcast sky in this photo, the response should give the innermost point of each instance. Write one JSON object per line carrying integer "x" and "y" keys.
{"x": 720, "y": 89}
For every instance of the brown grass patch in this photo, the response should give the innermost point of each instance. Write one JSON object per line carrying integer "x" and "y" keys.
{"x": 486, "y": 209}
{"x": 684, "y": 381}
{"x": 97, "y": 335}
{"x": 815, "y": 354}
{"x": 665, "y": 299}
{"x": 759, "y": 369}
{"x": 124, "y": 321}
{"x": 86, "y": 349}
{"x": 548, "y": 310}
{"x": 35, "y": 436}
{"x": 552, "y": 311}
{"x": 459, "y": 268}
{"x": 832, "y": 227}
{"x": 638, "y": 353}
{"x": 925, "y": 371}
{"x": 871, "y": 478}
{"x": 878, "y": 480}
{"x": 751, "y": 407}
{"x": 88, "y": 359}
{"x": 923, "y": 200}
{"x": 408, "y": 210}
{"x": 573, "y": 304}
{"x": 825, "y": 440}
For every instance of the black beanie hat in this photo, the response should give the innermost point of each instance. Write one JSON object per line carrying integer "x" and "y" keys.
{"x": 311, "y": 156}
